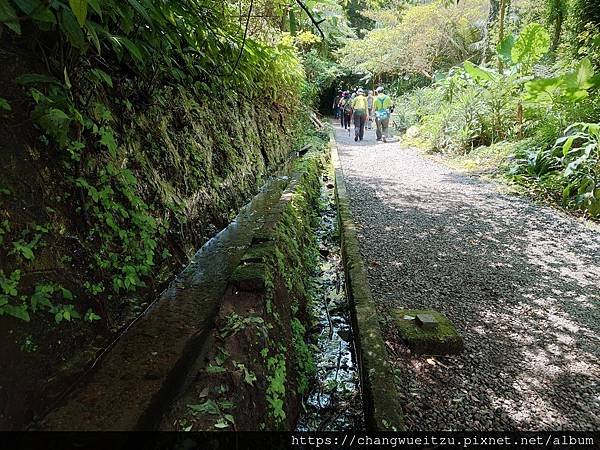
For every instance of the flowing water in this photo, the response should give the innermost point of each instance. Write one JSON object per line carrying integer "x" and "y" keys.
{"x": 334, "y": 402}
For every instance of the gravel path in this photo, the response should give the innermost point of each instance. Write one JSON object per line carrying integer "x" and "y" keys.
{"x": 519, "y": 281}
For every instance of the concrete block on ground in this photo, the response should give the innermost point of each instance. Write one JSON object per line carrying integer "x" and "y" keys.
{"x": 428, "y": 332}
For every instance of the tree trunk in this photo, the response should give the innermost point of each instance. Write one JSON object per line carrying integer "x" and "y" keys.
{"x": 501, "y": 30}
{"x": 559, "y": 16}
{"x": 492, "y": 16}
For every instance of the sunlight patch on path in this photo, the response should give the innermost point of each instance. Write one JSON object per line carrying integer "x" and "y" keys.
{"x": 519, "y": 281}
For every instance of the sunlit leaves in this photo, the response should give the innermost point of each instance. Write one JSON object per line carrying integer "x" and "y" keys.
{"x": 479, "y": 73}
{"x": 568, "y": 87}
{"x": 532, "y": 44}
{"x": 425, "y": 38}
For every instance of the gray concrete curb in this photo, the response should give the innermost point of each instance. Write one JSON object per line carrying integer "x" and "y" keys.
{"x": 381, "y": 401}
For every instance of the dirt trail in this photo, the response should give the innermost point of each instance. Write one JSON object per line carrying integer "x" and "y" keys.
{"x": 520, "y": 282}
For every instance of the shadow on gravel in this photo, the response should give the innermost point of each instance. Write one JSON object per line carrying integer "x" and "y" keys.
{"x": 518, "y": 280}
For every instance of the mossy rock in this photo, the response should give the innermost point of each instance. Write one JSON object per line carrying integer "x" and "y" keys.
{"x": 259, "y": 253}
{"x": 249, "y": 277}
{"x": 441, "y": 340}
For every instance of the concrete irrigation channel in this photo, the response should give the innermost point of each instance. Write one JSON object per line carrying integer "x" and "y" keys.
{"x": 268, "y": 328}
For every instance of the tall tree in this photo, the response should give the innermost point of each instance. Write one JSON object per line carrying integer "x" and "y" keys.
{"x": 557, "y": 12}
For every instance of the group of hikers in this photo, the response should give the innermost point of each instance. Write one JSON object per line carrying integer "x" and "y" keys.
{"x": 363, "y": 109}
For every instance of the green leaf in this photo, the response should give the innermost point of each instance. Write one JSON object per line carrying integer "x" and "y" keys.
{"x": 567, "y": 145}
{"x": 214, "y": 369}
{"x": 4, "y": 104}
{"x": 133, "y": 49}
{"x": 92, "y": 35}
{"x": 249, "y": 377}
{"x": 221, "y": 424}
{"x": 8, "y": 16}
{"x": 141, "y": 10}
{"x": 207, "y": 407}
{"x": 102, "y": 75}
{"x": 505, "y": 47}
{"x": 67, "y": 295}
{"x": 585, "y": 73}
{"x": 95, "y": 6}
{"x": 532, "y": 44}
{"x": 57, "y": 115}
{"x": 478, "y": 73}
{"x": 108, "y": 140}
{"x": 543, "y": 89}
{"x": 20, "y": 312}
{"x": 44, "y": 15}
{"x": 72, "y": 29}
{"x": 292, "y": 23}
{"x": 79, "y": 8}
{"x": 27, "y": 6}
{"x": 90, "y": 316}
{"x": 23, "y": 250}
{"x": 35, "y": 78}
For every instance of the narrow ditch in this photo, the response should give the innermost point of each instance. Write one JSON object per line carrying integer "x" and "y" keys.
{"x": 334, "y": 402}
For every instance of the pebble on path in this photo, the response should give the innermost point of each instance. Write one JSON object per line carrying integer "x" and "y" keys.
{"x": 519, "y": 280}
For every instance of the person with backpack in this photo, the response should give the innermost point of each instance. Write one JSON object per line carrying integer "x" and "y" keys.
{"x": 346, "y": 110}
{"x": 336, "y": 105}
{"x": 370, "y": 100}
{"x": 383, "y": 110}
{"x": 360, "y": 107}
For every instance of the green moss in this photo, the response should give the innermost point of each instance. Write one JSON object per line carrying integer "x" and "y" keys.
{"x": 381, "y": 399}
{"x": 304, "y": 358}
{"x": 444, "y": 339}
{"x": 250, "y": 277}
{"x": 261, "y": 252}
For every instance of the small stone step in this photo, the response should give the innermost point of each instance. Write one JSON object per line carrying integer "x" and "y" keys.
{"x": 426, "y": 321}
{"x": 428, "y": 332}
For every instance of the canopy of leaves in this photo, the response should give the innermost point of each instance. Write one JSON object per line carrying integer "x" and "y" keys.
{"x": 420, "y": 40}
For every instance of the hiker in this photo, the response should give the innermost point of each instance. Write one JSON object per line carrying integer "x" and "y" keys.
{"x": 359, "y": 108}
{"x": 383, "y": 111}
{"x": 341, "y": 104}
{"x": 346, "y": 111}
{"x": 336, "y": 105}
{"x": 370, "y": 110}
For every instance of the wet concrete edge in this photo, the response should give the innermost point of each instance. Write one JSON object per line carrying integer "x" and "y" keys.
{"x": 145, "y": 408}
{"x": 382, "y": 403}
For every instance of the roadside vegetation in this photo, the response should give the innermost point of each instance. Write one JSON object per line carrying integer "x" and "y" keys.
{"x": 507, "y": 85}
{"x": 132, "y": 132}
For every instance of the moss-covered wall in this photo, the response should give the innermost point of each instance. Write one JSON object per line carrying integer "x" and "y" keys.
{"x": 99, "y": 208}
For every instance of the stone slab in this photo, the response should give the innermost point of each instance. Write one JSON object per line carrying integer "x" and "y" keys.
{"x": 443, "y": 339}
{"x": 426, "y": 321}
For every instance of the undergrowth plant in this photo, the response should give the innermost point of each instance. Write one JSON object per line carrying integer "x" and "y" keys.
{"x": 106, "y": 60}
{"x": 570, "y": 167}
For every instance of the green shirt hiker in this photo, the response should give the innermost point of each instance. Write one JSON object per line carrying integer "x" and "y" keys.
{"x": 382, "y": 106}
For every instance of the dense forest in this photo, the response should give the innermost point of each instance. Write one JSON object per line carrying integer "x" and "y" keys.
{"x": 133, "y": 131}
